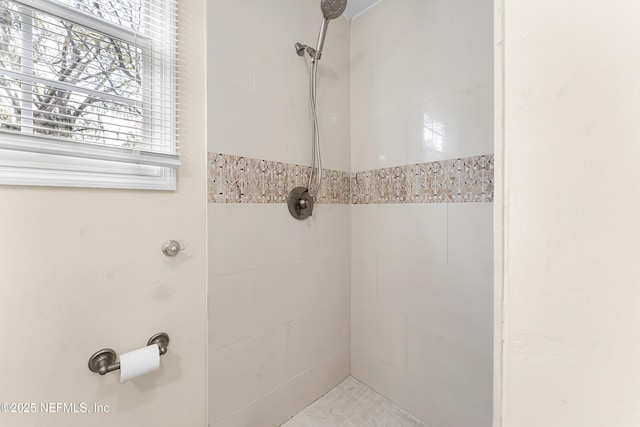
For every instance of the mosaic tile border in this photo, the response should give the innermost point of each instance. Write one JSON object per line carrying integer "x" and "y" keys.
{"x": 236, "y": 179}
{"x": 447, "y": 181}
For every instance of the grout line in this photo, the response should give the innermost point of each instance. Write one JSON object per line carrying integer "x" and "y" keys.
{"x": 376, "y": 285}
{"x": 406, "y": 342}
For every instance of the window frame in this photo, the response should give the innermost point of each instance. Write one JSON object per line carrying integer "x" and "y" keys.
{"x": 29, "y": 160}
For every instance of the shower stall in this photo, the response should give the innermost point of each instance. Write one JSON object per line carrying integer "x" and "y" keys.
{"x": 385, "y": 291}
{"x": 390, "y": 280}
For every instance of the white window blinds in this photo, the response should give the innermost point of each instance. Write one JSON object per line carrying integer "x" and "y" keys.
{"x": 89, "y": 78}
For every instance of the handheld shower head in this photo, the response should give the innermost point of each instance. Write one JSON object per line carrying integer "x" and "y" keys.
{"x": 331, "y": 9}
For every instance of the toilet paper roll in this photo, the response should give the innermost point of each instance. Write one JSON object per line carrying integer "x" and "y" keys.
{"x": 139, "y": 362}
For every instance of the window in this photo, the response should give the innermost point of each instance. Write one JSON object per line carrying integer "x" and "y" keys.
{"x": 87, "y": 93}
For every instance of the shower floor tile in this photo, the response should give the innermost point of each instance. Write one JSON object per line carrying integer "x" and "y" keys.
{"x": 353, "y": 404}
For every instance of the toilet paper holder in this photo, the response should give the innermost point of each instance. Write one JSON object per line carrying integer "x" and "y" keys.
{"x": 104, "y": 361}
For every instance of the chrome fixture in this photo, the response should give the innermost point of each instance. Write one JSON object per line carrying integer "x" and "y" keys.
{"x": 172, "y": 248}
{"x": 302, "y": 48}
{"x": 331, "y": 9}
{"x": 104, "y": 361}
{"x": 300, "y": 203}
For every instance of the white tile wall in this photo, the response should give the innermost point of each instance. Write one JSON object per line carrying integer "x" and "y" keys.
{"x": 381, "y": 332}
{"x": 258, "y": 96}
{"x": 231, "y": 38}
{"x": 421, "y": 277}
{"x": 412, "y": 393}
{"x": 453, "y": 299}
{"x": 451, "y": 363}
{"x": 413, "y": 60}
{"x": 470, "y": 236}
{"x": 250, "y": 236}
{"x": 279, "y": 310}
{"x": 230, "y": 307}
{"x": 332, "y": 370}
{"x": 240, "y": 373}
{"x": 455, "y": 126}
{"x": 317, "y": 336}
{"x": 413, "y": 280}
{"x": 363, "y": 280}
{"x": 277, "y": 406}
{"x": 281, "y": 403}
{"x": 424, "y": 326}
{"x": 412, "y": 231}
{"x": 303, "y": 287}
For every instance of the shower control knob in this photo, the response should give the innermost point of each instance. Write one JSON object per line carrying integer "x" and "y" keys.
{"x": 300, "y": 203}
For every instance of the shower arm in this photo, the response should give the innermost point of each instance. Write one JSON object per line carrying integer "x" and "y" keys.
{"x": 302, "y": 48}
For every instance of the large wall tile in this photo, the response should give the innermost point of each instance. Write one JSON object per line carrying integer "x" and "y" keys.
{"x": 333, "y": 370}
{"x": 452, "y": 299}
{"x": 345, "y": 291}
{"x": 239, "y": 241}
{"x": 362, "y": 93}
{"x": 230, "y": 36}
{"x": 459, "y": 125}
{"x": 271, "y": 360}
{"x": 378, "y": 142}
{"x": 363, "y": 279}
{"x": 288, "y": 292}
{"x": 470, "y": 235}
{"x": 299, "y": 128}
{"x": 278, "y": 406}
{"x": 258, "y": 98}
{"x": 271, "y": 298}
{"x": 228, "y": 107}
{"x": 413, "y": 231}
{"x": 231, "y": 371}
{"x": 451, "y": 363}
{"x": 277, "y": 67}
{"x": 242, "y": 372}
{"x": 413, "y": 394}
{"x": 230, "y": 308}
{"x": 361, "y": 136}
{"x": 397, "y": 385}
{"x": 454, "y": 41}
{"x": 383, "y": 377}
{"x": 315, "y": 337}
{"x": 334, "y": 229}
{"x": 380, "y": 332}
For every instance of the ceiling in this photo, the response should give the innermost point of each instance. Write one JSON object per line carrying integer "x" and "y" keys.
{"x": 356, "y": 7}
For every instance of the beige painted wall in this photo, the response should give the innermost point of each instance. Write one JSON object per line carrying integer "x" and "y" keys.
{"x": 571, "y": 214}
{"x": 82, "y": 269}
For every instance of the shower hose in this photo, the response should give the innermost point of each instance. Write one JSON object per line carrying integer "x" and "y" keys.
{"x": 313, "y": 186}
